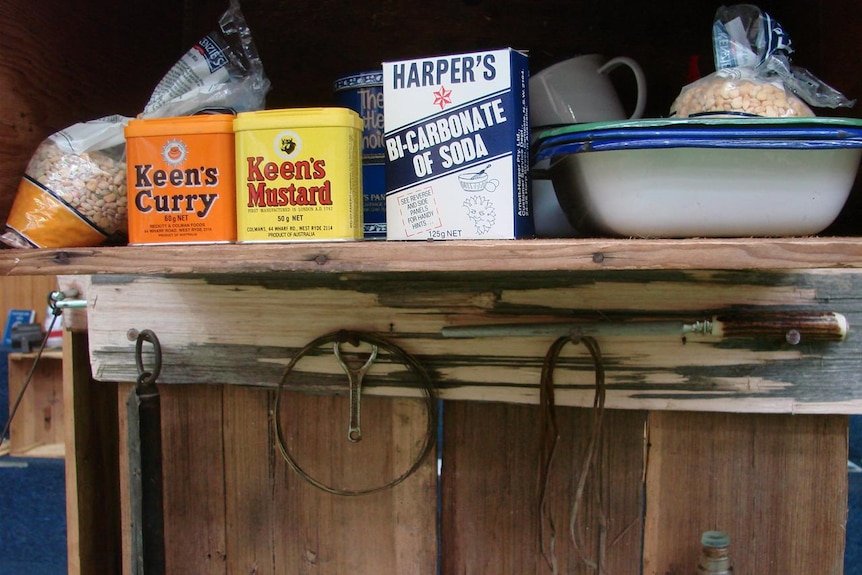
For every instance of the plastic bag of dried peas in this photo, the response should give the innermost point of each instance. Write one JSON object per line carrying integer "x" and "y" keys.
{"x": 754, "y": 74}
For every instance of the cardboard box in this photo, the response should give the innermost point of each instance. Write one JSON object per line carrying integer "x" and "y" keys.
{"x": 457, "y": 140}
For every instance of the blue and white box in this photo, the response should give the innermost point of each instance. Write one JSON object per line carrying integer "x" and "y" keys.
{"x": 457, "y": 136}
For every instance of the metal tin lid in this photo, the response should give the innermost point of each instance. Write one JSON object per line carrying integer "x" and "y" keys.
{"x": 715, "y": 539}
{"x": 370, "y": 78}
{"x": 198, "y": 124}
{"x": 297, "y": 118}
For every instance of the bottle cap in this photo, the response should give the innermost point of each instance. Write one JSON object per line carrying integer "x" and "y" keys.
{"x": 715, "y": 539}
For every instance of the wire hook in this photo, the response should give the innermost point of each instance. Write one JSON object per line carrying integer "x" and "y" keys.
{"x": 148, "y": 377}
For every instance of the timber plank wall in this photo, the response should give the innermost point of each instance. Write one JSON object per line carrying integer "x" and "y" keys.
{"x": 657, "y": 478}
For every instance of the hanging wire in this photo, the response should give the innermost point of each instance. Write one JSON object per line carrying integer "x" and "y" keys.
{"x": 547, "y": 533}
{"x": 56, "y": 313}
{"x": 599, "y": 563}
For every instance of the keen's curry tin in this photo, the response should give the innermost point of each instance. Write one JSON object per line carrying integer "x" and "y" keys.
{"x": 299, "y": 175}
{"x": 180, "y": 180}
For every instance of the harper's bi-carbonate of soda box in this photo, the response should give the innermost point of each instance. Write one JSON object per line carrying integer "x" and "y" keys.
{"x": 457, "y": 138}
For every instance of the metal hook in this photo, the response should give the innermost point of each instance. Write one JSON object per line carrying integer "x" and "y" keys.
{"x": 147, "y": 377}
{"x": 354, "y": 377}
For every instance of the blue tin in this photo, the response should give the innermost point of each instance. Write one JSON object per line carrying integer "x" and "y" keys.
{"x": 363, "y": 92}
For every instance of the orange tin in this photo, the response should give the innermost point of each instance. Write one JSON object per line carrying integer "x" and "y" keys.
{"x": 181, "y": 180}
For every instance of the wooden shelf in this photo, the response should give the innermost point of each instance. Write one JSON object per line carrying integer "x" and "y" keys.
{"x": 47, "y": 451}
{"x": 38, "y": 427}
{"x": 47, "y": 354}
{"x": 507, "y": 256}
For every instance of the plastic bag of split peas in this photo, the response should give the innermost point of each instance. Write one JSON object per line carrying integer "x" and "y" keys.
{"x": 73, "y": 192}
{"x": 738, "y": 92}
{"x": 754, "y": 75}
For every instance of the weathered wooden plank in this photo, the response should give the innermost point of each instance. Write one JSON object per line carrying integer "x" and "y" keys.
{"x": 490, "y": 518}
{"x": 777, "y": 484}
{"x": 502, "y": 256}
{"x": 122, "y": 398}
{"x": 192, "y": 468}
{"x": 390, "y": 532}
{"x": 249, "y": 478}
{"x": 194, "y": 502}
{"x": 73, "y": 288}
{"x": 232, "y": 504}
{"x": 93, "y": 508}
{"x": 242, "y": 330}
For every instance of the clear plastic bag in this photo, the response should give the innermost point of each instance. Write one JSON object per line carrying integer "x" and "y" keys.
{"x": 73, "y": 192}
{"x": 222, "y": 72}
{"x": 754, "y": 74}
{"x": 738, "y": 92}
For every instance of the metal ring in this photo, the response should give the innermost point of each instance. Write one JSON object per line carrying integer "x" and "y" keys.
{"x": 145, "y": 376}
{"x": 356, "y": 338}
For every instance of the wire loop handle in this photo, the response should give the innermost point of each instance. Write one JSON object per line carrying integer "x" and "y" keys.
{"x": 148, "y": 377}
{"x": 399, "y": 355}
{"x": 551, "y": 435}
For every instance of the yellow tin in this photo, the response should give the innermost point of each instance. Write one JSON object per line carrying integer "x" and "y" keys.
{"x": 299, "y": 175}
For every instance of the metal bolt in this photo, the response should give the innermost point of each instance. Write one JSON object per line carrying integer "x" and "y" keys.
{"x": 793, "y": 337}
{"x": 132, "y": 334}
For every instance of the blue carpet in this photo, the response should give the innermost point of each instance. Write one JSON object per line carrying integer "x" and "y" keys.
{"x": 853, "y": 553}
{"x": 32, "y": 507}
{"x": 32, "y": 516}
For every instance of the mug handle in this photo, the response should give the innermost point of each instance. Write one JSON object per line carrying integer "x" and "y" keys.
{"x": 640, "y": 79}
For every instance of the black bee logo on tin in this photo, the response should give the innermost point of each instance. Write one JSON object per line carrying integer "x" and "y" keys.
{"x": 288, "y": 145}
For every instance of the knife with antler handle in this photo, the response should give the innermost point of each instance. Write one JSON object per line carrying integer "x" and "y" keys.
{"x": 791, "y": 326}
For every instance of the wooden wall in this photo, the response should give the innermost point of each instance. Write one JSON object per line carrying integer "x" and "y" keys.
{"x": 656, "y": 479}
{"x": 776, "y": 483}
{"x": 26, "y": 292}
{"x": 63, "y": 64}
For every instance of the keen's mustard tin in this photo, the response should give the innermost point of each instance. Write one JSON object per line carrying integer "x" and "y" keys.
{"x": 180, "y": 177}
{"x": 299, "y": 175}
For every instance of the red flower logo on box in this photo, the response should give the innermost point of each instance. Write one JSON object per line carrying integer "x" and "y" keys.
{"x": 442, "y": 97}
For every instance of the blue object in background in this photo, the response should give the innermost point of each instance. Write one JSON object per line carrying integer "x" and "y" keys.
{"x": 4, "y": 389}
{"x": 32, "y": 516}
{"x": 853, "y": 552}
{"x": 856, "y": 439}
